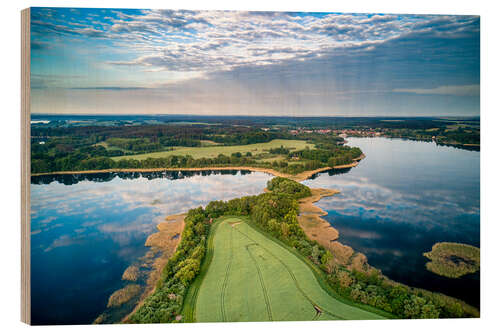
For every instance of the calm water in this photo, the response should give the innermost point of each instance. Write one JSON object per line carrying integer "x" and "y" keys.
{"x": 87, "y": 229}
{"x": 400, "y": 200}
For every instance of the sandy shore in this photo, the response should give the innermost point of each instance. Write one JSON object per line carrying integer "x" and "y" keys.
{"x": 298, "y": 177}
{"x": 316, "y": 228}
{"x": 310, "y": 219}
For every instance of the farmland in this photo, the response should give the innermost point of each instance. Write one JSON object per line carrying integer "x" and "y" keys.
{"x": 214, "y": 151}
{"x": 253, "y": 278}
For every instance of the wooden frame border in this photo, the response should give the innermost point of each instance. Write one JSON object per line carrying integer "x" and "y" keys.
{"x": 25, "y": 166}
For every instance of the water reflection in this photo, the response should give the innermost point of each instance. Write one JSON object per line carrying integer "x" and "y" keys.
{"x": 70, "y": 179}
{"x": 86, "y": 234}
{"x": 400, "y": 200}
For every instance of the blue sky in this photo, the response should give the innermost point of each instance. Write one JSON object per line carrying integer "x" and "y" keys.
{"x": 107, "y": 61}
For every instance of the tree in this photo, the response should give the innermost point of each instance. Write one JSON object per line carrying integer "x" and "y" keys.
{"x": 187, "y": 270}
{"x": 315, "y": 254}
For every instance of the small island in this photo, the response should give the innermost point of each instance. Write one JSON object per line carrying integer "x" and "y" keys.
{"x": 453, "y": 260}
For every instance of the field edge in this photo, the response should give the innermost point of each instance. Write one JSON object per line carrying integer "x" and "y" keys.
{"x": 189, "y": 304}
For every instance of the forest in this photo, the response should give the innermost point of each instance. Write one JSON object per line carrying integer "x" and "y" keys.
{"x": 93, "y": 148}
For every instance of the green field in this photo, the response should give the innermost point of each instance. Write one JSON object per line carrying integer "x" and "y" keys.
{"x": 214, "y": 151}
{"x": 250, "y": 277}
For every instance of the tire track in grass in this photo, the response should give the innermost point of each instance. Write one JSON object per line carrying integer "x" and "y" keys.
{"x": 191, "y": 314}
{"x": 261, "y": 279}
{"x": 294, "y": 279}
{"x": 226, "y": 278}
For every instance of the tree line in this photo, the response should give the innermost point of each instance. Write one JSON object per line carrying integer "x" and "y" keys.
{"x": 99, "y": 158}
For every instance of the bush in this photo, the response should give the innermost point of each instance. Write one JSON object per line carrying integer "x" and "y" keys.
{"x": 288, "y": 186}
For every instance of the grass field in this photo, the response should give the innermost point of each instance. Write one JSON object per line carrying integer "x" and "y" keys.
{"x": 214, "y": 151}
{"x": 108, "y": 147}
{"x": 272, "y": 159}
{"x": 209, "y": 143}
{"x": 250, "y": 277}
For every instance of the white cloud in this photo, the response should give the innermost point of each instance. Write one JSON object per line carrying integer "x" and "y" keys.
{"x": 465, "y": 90}
{"x": 208, "y": 41}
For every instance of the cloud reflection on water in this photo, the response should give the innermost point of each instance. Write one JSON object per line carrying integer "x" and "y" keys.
{"x": 132, "y": 206}
{"x": 404, "y": 197}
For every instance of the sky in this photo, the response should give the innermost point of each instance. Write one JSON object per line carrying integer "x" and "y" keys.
{"x": 130, "y": 61}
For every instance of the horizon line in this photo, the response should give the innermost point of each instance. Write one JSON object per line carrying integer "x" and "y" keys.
{"x": 241, "y": 116}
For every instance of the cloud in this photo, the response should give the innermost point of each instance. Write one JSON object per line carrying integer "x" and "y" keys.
{"x": 91, "y": 32}
{"x": 267, "y": 62}
{"x": 465, "y": 90}
{"x": 63, "y": 241}
{"x": 39, "y": 45}
{"x": 379, "y": 18}
{"x": 107, "y": 88}
{"x": 223, "y": 40}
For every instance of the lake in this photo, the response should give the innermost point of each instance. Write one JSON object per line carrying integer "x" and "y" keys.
{"x": 400, "y": 200}
{"x": 87, "y": 229}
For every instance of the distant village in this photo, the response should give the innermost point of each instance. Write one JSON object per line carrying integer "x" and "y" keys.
{"x": 341, "y": 133}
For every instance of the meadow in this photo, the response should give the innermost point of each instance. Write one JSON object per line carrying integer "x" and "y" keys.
{"x": 215, "y": 150}
{"x": 253, "y": 278}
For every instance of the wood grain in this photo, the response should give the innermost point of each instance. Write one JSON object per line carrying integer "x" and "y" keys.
{"x": 25, "y": 168}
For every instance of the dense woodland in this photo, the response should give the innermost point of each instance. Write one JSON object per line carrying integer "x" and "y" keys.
{"x": 418, "y": 123}
{"x": 91, "y": 148}
{"x": 275, "y": 213}
{"x": 458, "y": 136}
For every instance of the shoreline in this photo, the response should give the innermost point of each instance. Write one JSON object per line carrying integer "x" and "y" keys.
{"x": 310, "y": 215}
{"x": 320, "y": 230}
{"x": 446, "y": 143}
{"x": 345, "y": 254}
{"x": 298, "y": 177}
{"x": 162, "y": 241}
